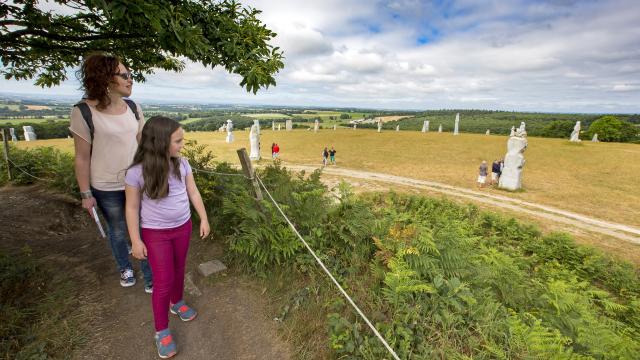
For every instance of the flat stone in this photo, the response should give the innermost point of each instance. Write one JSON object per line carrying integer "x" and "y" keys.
{"x": 211, "y": 267}
{"x": 190, "y": 287}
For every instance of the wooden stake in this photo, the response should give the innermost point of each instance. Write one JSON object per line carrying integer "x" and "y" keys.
{"x": 5, "y": 145}
{"x": 249, "y": 172}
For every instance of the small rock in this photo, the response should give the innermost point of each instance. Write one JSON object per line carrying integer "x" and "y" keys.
{"x": 211, "y": 267}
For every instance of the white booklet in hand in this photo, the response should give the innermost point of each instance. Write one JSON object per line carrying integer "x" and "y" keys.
{"x": 97, "y": 219}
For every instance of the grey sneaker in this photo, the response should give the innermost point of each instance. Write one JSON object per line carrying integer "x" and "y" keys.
{"x": 148, "y": 288}
{"x": 127, "y": 278}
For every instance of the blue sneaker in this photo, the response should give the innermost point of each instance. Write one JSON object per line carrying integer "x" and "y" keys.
{"x": 127, "y": 278}
{"x": 164, "y": 343}
{"x": 184, "y": 311}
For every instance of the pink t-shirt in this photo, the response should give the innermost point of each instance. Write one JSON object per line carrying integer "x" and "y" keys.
{"x": 168, "y": 212}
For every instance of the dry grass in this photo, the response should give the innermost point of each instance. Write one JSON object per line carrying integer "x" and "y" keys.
{"x": 595, "y": 179}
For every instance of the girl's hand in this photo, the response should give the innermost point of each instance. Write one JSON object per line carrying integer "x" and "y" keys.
{"x": 139, "y": 250}
{"x": 204, "y": 229}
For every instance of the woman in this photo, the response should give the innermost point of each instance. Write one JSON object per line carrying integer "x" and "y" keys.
{"x": 105, "y": 138}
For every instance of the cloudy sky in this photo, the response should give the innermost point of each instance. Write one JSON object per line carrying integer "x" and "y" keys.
{"x": 555, "y": 55}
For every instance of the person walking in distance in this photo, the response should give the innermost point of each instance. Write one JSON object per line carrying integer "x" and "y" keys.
{"x": 332, "y": 155}
{"x": 159, "y": 185}
{"x": 482, "y": 176}
{"x": 495, "y": 171}
{"x": 276, "y": 151}
{"x": 105, "y": 127}
{"x": 325, "y": 156}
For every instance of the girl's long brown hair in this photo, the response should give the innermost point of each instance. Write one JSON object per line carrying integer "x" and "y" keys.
{"x": 96, "y": 74}
{"x": 153, "y": 154}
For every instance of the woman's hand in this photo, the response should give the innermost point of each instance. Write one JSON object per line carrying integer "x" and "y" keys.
{"x": 204, "y": 229}
{"x": 139, "y": 250}
{"x": 88, "y": 204}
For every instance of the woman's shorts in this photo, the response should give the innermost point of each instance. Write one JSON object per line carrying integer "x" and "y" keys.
{"x": 482, "y": 179}
{"x": 494, "y": 176}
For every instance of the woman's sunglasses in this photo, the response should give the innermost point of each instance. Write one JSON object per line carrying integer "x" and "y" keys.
{"x": 125, "y": 76}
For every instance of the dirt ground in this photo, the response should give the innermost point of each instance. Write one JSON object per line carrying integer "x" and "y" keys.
{"x": 233, "y": 321}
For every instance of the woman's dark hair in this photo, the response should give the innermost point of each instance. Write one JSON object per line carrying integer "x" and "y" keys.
{"x": 153, "y": 154}
{"x": 96, "y": 74}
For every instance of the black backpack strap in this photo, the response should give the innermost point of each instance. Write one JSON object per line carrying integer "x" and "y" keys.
{"x": 133, "y": 107}
{"x": 86, "y": 115}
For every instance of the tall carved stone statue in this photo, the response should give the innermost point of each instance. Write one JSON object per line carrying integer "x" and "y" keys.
{"x": 440, "y": 128}
{"x": 335, "y": 127}
{"x": 488, "y": 132}
{"x": 254, "y": 141}
{"x": 379, "y": 125}
{"x": 397, "y": 127}
{"x": 521, "y": 131}
{"x": 355, "y": 126}
{"x": 288, "y": 125}
{"x": 229, "y": 131}
{"x": 273, "y": 126}
{"x": 12, "y": 132}
{"x": 316, "y": 125}
{"x": 457, "y": 124}
{"x": 257, "y": 123}
{"x": 29, "y": 134}
{"x": 595, "y": 138}
{"x": 511, "y": 178}
{"x": 279, "y": 127}
{"x": 575, "y": 134}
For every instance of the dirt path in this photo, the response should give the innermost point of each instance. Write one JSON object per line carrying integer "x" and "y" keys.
{"x": 233, "y": 321}
{"x": 618, "y": 231}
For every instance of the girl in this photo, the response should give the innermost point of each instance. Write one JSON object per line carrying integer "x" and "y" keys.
{"x": 103, "y": 151}
{"x": 159, "y": 185}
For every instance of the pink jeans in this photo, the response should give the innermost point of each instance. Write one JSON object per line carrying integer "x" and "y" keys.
{"x": 167, "y": 254}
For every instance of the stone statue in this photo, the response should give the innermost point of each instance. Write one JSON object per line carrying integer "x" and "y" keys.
{"x": 229, "y": 131}
{"x": 379, "y": 125}
{"x": 511, "y": 178}
{"x": 595, "y": 138}
{"x": 254, "y": 141}
{"x": 440, "y": 128}
{"x": 12, "y": 132}
{"x": 222, "y": 128}
{"x": 279, "y": 127}
{"x": 335, "y": 127}
{"x": 425, "y": 126}
{"x": 457, "y": 124}
{"x": 521, "y": 130}
{"x": 397, "y": 127}
{"x": 288, "y": 125}
{"x": 513, "y": 131}
{"x": 257, "y": 123}
{"x": 488, "y": 132}
{"x": 29, "y": 134}
{"x": 316, "y": 125}
{"x": 273, "y": 126}
{"x": 354, "y": 126}
{"x": 575, "y": 134}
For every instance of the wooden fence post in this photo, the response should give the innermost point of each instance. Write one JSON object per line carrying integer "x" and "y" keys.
{"x": 249, "y": 172}
{"x": 5, "y": 147}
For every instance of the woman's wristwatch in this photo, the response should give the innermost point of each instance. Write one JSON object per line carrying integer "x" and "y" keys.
{"x": 86, "y": 194}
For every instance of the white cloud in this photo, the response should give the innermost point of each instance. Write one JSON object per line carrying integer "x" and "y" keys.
{"x": 519, "y": 55}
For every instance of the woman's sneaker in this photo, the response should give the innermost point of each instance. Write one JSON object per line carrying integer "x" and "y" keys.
{"x": 148, "y": 288}
{"x": 184, "y": 311}
{"x": 164, "y": 343}
{"x": 127, "y": 278}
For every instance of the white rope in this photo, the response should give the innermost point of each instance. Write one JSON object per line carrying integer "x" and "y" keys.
{"x": 375, "y": 331}
{"x": 24, "y": 171}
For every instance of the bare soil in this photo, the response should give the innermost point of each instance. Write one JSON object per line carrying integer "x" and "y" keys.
{"x": 233, "y": 321}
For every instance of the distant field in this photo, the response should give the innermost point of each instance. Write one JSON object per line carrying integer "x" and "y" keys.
{"x": 268, "y": 116}
{"x": 596, "y": 179}
{"x": 4, "y": 122}
{"x": 38, "y": 107}
{"x": 190, "y": 120}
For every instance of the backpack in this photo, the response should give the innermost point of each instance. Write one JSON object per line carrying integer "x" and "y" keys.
{"x": 88, "y": 118}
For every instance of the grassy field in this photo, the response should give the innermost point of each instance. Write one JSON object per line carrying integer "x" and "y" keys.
{"x": 268, "y": 116}
{"x": 595, "y": 179}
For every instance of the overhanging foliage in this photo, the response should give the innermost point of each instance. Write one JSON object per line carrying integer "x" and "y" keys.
{"x": 146, "y": 34}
